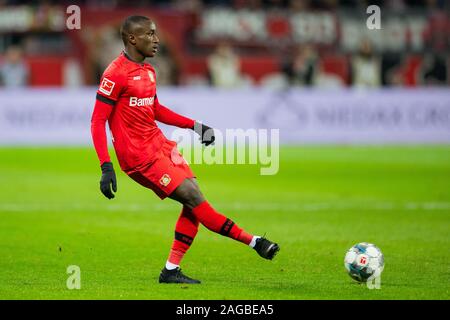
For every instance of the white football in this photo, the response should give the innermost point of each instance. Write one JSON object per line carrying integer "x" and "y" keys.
{"x": 364, "y": 261}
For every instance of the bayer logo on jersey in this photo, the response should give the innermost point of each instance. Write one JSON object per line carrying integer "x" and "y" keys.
{"x": 165, "y": 180}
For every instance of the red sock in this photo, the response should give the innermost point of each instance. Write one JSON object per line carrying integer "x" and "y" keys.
{"x": 185, "y": 232}
{"x": 218, "y": 223}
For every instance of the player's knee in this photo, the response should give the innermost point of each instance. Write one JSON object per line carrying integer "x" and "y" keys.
{"x": 194, "y": 197}
{"x": 188, "y": 194}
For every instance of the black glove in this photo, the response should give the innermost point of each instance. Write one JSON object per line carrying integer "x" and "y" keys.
{"x": 206, "y": 133}
{"x": 108, "y": 177}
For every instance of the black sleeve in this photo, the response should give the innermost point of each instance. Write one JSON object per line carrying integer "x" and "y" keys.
{"x": 105, "y": 100}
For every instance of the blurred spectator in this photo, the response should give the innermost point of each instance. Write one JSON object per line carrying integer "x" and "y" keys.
{"x": 109, "y": 45}
{"x": 14, "y": 71}
{"x": 391, "y": 69}
{"x": 434, "y": 70}
{"x": 72, "y": 73}
{"x": 325, "y": 79}
{"x": 301, "y": 68}
{"x": 224, "y": 67}
{"x": 366, "y": 67}
{"x": 193, "y": 6}
{"x": 397, "y": 6}
{"x": 165, "y": 66}
{"x": 297, "y": 6}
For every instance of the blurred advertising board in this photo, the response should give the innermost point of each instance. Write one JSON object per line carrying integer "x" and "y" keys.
{"x": 62, "y": 117}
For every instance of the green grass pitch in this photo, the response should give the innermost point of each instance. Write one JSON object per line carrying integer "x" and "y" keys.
{"x": 323, "y": 200}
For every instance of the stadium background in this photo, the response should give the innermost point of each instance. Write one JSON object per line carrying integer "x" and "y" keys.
{"x": 364, "y": 119}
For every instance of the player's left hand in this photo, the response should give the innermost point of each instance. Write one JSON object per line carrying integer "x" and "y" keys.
{"x": 206, "y": 133}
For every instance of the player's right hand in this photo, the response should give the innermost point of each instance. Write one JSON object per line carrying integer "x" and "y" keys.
{"x": 108, "y": 178}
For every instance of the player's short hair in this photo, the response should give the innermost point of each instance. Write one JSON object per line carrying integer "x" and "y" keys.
{"x": 128, "y": 24}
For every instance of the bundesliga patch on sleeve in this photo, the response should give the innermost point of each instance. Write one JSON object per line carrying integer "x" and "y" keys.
{"x": 107, "y": 86}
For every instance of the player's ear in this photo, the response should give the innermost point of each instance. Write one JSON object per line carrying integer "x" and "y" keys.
{"x": 132, "y": 39}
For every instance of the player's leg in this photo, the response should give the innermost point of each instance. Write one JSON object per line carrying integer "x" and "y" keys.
{"x": 186, "y": 229}
{"x": 188, "y": 193}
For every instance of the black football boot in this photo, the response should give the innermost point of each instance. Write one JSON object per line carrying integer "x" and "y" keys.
{"x": 266, "y": 248}
{"x": 175, "y": 276}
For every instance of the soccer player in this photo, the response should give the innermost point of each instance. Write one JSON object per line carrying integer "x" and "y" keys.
{"x": 127, "y": 100}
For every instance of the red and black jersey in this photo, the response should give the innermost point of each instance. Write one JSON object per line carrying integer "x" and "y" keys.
{"x": 126, "y": 98}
